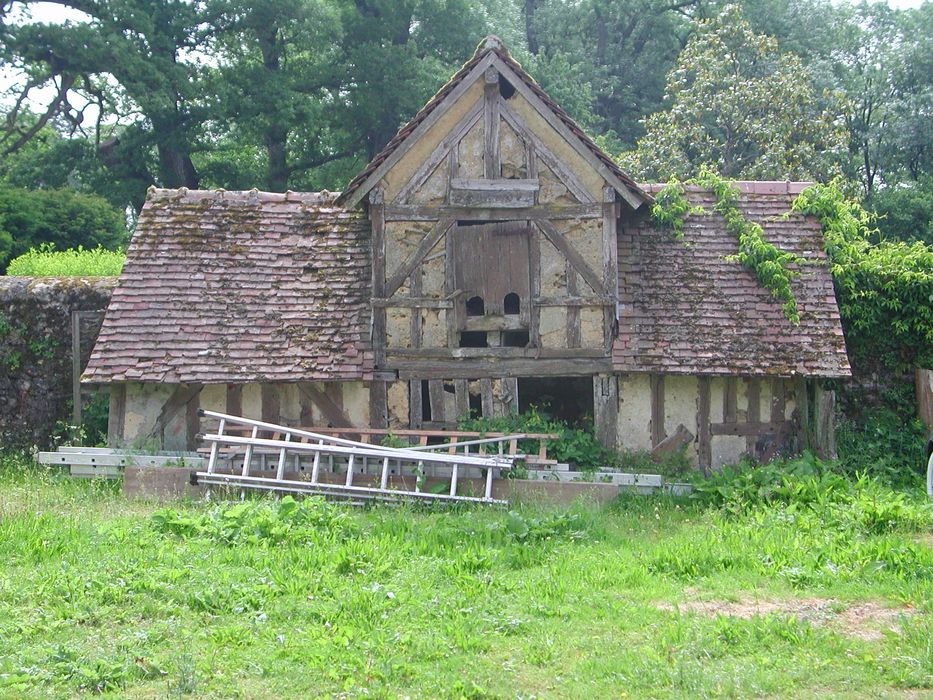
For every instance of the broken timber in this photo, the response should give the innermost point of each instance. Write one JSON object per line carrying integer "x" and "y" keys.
{"x": 285, "y": 442}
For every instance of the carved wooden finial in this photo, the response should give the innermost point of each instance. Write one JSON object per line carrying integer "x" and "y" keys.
{"x": 492, "y": 42}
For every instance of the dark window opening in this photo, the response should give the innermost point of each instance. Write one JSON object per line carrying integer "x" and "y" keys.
{"x": 425, "y": 401}
{"x": 475, "y": 306}
{"x": 512, "y": 304}
{"x": 506, "y": 89}
{"x": 568, "y": 399}
{"x": 515, "y": 339}
{"x": 473, "y": 339}
{"x": 476, "y": 406}
{"x": 450, "y": 388}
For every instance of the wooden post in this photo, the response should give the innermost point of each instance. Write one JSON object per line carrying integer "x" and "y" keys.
{"x": 606, "y": 410}
{"x": 704, "y": 445}
{"x": 802, "y": 398}
{"x": 117, "y": 416}
{"x": 377, "y": 217}
{"x": 610, "y": 261}
{"x": 752, "y": 414}
{"x": 923, "y": 381}
{"x": 657, "y": 410}
{"x": 76, "y": 367}
{"x": 234, "y": 400}
{"x": 824, "y": 409}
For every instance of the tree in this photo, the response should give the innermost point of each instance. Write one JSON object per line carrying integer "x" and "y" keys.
{"x": 740, "y": 106}
{"x": 67, "y": 219}
{"x": 131, "y": 62}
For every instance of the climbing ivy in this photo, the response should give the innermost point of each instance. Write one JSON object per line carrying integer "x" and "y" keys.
{"x": 769, "y": 263}
{"x": 884, "y": 290}
{"x": 671, "y": 207}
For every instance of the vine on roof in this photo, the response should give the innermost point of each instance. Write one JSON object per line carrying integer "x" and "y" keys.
{"x": 769, "y": 263}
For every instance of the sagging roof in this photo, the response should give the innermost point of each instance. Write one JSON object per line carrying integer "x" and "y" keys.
{"x": 491, "y": 46}
{"x": 239, "y": 287}
{"x": 687, "y": 309}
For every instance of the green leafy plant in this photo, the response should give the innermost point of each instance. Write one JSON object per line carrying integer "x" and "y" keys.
{"x": 45, "y": 261}
{"x": 884, "y": 290}
{"x": 770, "y": 264}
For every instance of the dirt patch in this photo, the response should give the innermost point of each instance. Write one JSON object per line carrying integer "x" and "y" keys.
{"x": 926, "y": 540}
{"x": 867, "y": 621}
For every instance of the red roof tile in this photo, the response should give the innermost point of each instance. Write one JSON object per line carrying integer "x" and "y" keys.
{"x": 687, "y": 309}
{"x": 239, "y": 287}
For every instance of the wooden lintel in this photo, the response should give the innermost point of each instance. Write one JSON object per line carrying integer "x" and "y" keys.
{"x": 560, "y": 242}
{"x": 448, "y": 354}
{"x": 426, "y": 212}
{"x": 413, "y": 303}
{"x": 411, "y": 368}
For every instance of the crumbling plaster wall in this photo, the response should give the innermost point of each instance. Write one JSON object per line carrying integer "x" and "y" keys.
{"x": 681, "y": 399}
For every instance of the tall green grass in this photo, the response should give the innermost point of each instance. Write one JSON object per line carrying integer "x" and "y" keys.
{"x": 45, "y": 261}
{"x": 302, "y": 598}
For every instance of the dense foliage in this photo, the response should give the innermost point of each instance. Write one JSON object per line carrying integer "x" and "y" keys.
{"x": 45, "y": 261}
{"x": 65, "y": 218}
{"x": 740, "y": 106}
{"x": 884, "y": 289}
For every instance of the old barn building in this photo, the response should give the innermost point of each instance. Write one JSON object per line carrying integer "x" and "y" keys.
{"x": 489, "y": 258}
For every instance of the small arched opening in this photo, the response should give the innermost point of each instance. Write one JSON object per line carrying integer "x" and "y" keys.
{"x": 475, "y": 306}
{"x": 512, "y": 304}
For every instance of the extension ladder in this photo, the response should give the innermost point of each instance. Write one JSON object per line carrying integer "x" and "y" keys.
{"x": 294, "y": 447}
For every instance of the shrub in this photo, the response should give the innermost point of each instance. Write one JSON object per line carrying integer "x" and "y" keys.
{"x": 45, "y": 261}
{"x": 68, "y": 219}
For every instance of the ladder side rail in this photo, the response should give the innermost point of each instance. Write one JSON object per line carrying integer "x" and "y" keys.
{"x": 303, "y": 486}
{"x": 316, "y": 466}
{"x": 454, "y": 442}
{"x": 502, "y": 461}
{"x": 280, "y": 469}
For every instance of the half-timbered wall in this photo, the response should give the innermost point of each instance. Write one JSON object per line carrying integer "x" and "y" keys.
{"x": 495, "y": 240}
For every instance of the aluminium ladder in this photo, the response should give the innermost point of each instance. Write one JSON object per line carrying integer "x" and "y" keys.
{"x": 284, "y": 442}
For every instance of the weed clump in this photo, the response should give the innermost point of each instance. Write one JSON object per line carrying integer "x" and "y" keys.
{"x": 258, "y": 522}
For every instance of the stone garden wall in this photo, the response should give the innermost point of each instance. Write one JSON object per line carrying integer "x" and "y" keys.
{"x": 36, "y": 351}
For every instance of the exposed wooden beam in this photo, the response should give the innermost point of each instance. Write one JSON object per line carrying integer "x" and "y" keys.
{"x": 548, "y": 115}
{"x": 606, "y": 410}
{"x": 414, "y": 303}
{"x": 332, "y": 412}
{"x": 491, "y": 161}
{"x": 657, "y": 409}
{"x": 426, "y": 212}
{"x": 573, "y": 312}
{"x": 427, "y": 243}
{"x": 704, "y": 445}
{"x": 752, "y": 413}
{"x": 730, "y": 400}
{"x": 558, "y": 240}
{"x": 419, "y": 131}
{"x": 444, "y": 149}
{"x": 116, "y": 418}
{"x": 233, "y": 401}
{"x": 541, "y": 152}
{"x": 474, "y": 368}
{"x": 610, "y": 262}
{"x": 377, "y": 219}
{"x": 673, "y": 442}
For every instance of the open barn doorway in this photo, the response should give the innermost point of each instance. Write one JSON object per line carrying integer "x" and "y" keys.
{"x": 569, "y": 399}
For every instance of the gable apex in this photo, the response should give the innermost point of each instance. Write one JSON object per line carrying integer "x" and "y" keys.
{"x": 492, "y": 53}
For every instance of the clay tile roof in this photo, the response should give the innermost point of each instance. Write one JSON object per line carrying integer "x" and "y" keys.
{"x": 687, "y": 309}
{"x": 490, "y": 44}
{"x": 239, "y": 287}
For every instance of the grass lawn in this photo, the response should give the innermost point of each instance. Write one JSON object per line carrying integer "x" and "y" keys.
{"x": 650, "y": 597}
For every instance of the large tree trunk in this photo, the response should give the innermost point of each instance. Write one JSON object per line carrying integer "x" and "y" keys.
{"x": 176, "y": 168}
{"x": 277, "y": 169}
{"x": 531, "y": 32}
